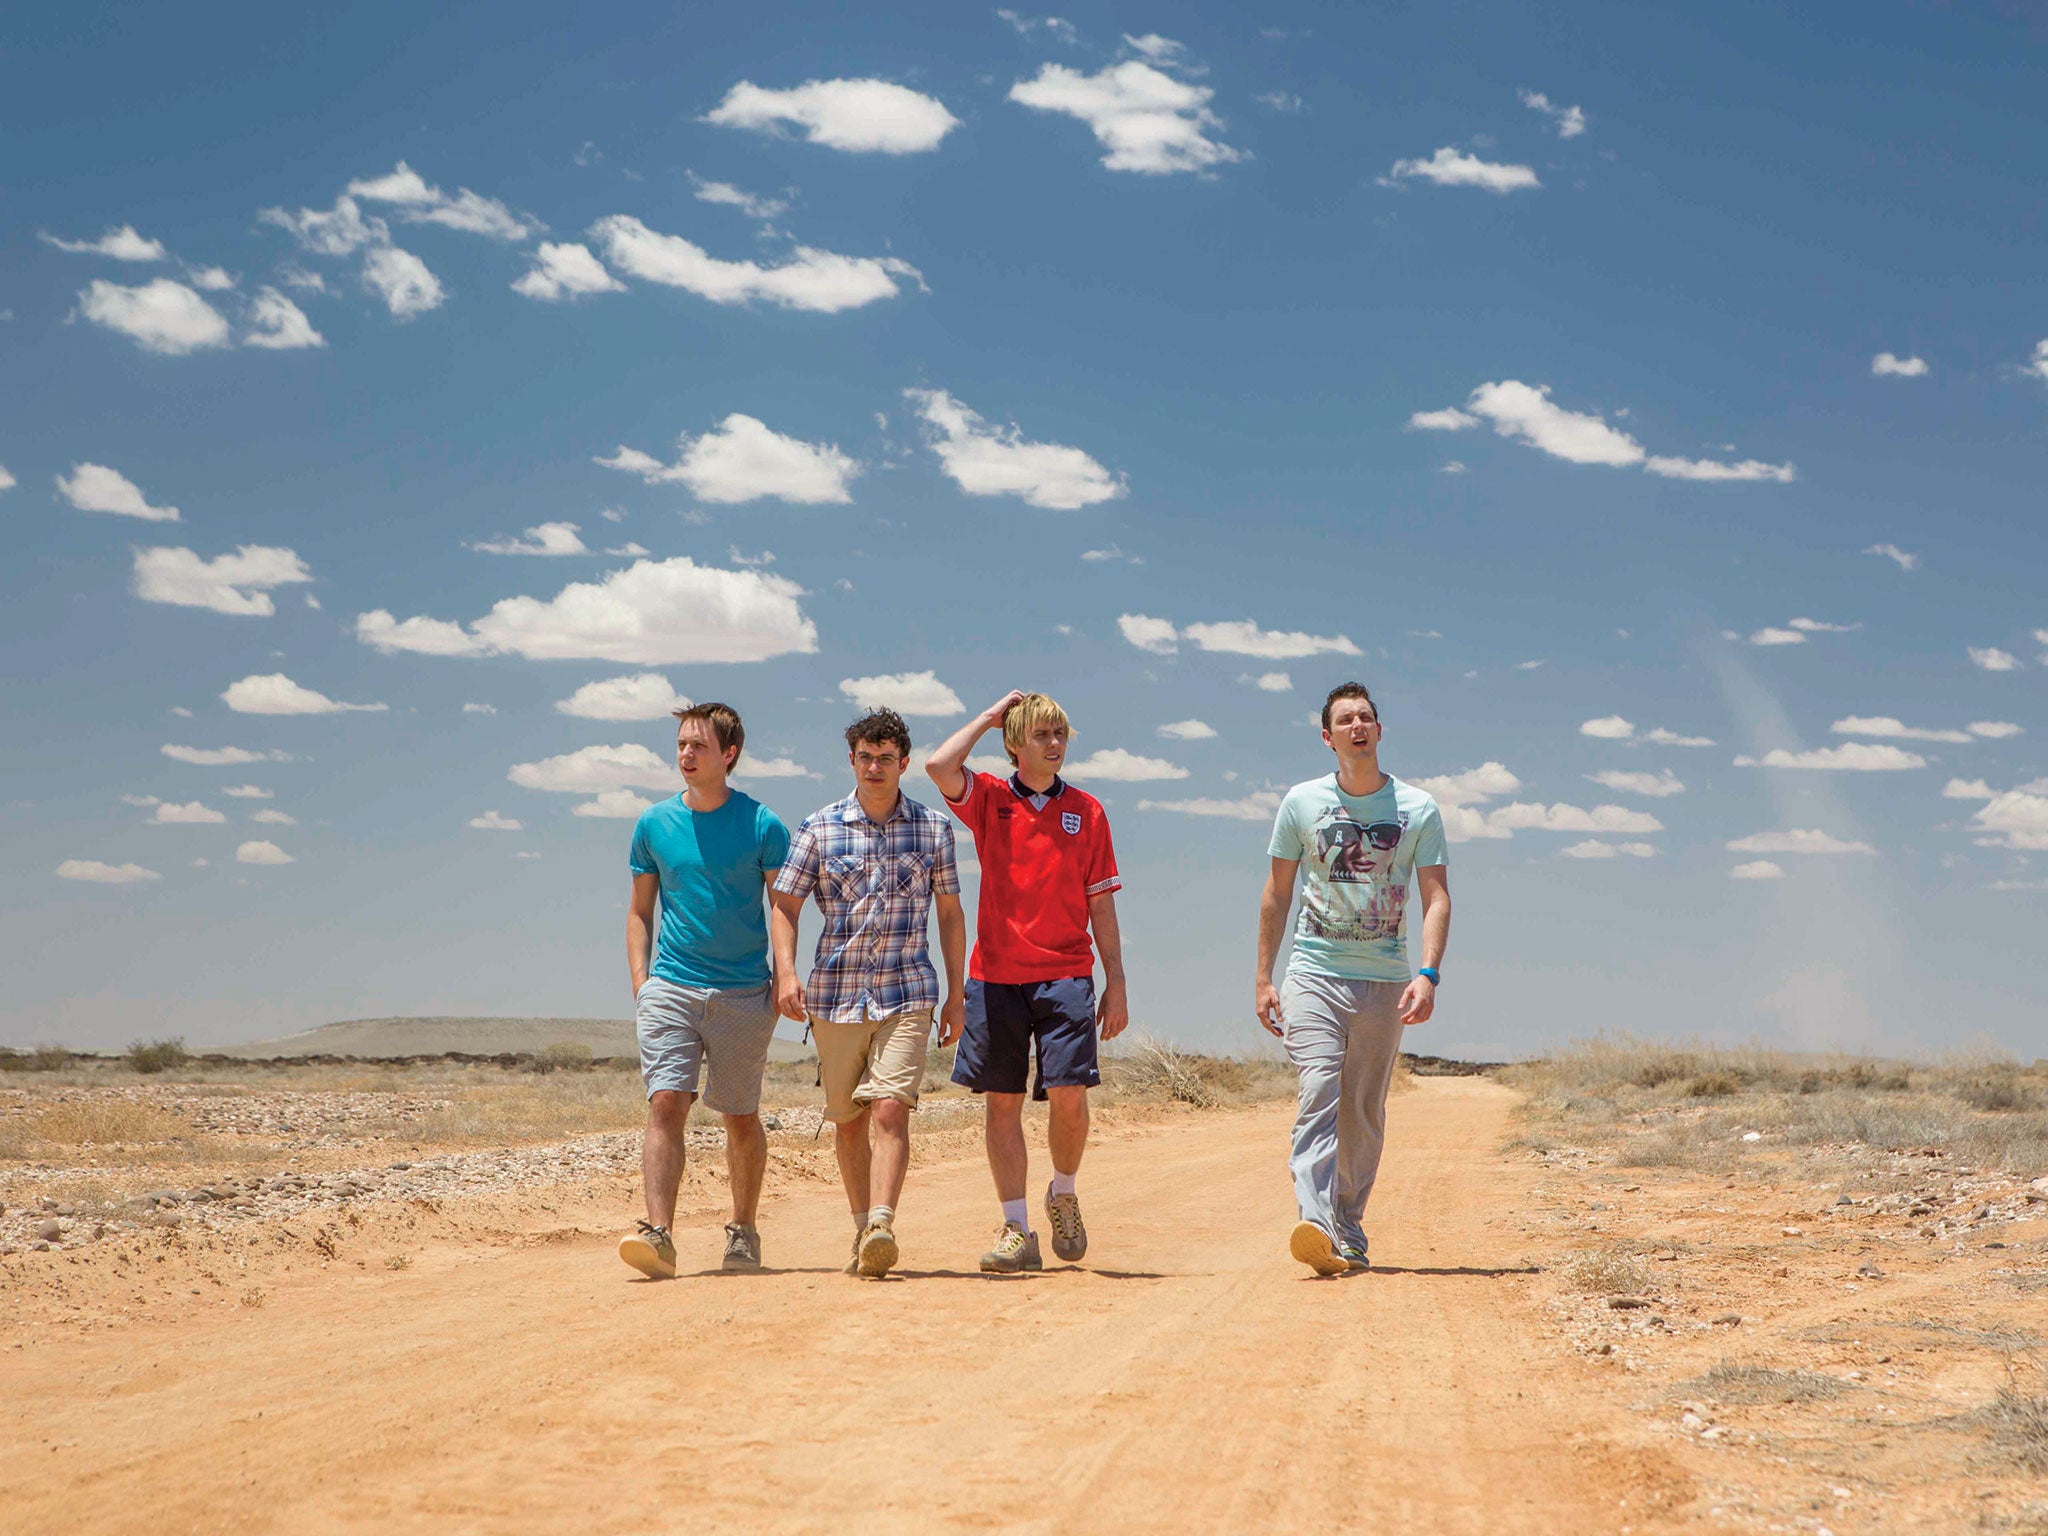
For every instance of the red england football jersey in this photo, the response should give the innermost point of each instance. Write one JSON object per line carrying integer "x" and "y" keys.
{"x": 1042, "y": 857}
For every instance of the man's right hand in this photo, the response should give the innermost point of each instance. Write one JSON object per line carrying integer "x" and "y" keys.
{"x": 789, "y": 1000}
{"x": 1266, "y": 1003}
{"x": 995, "y": 712}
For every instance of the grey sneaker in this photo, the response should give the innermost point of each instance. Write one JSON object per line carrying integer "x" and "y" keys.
{"x": 651, "y": 1251}
{"x": 742, "y": 1247}
{"x": 853, "y": 1258}
{"x": 1069, "y": 1235}
{"x": 1353, "y": 1255}
{"x": 1013, "y": 1253}
{"x": 875, "y": 1253}
{"x": 1312, "y": 1246}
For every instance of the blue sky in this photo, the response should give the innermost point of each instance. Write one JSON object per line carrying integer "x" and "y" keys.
{"x": 1647, "y": 403}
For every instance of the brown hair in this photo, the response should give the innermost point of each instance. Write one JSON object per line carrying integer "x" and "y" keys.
{"x": 725, "y": 725}
{"x": 880, "y": 725}
{"x": 1347, "y": 691}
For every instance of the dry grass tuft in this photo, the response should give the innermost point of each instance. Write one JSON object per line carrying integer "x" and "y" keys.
{"x": 153, "y": 1056}
{"x": 1732, "y": 1382}
{"x": 526, "y": 1108}
{"x": 2018, "y": 1425}
{"x": 1143, "y": 1067}
{"x": 561, "y": 1056}
{"x": 104, "y": 1121}
{"x": 1604, "y": 1273}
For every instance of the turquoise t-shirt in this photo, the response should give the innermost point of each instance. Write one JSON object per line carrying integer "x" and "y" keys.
{"x": 1358, "y": 854}
{"x": 714, "y": 870}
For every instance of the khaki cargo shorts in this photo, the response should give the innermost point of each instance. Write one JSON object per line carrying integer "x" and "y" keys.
{"x": 871, "y": 1059}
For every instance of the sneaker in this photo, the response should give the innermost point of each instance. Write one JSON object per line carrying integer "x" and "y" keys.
{"x": 1069, "y": 1235}
{"x": 875, "y": 1253}
{"x": 853, "y": 1259}
{"x": 1014, "y": 1251}
{"x": 1353, "y": 1255}
{"x": 742, "y": 1247}
{"x": 1311, "y": 1244}
{"x": 651, "y": 1251}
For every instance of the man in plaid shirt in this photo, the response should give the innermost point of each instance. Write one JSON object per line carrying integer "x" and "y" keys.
{"x": 878, "y": 862}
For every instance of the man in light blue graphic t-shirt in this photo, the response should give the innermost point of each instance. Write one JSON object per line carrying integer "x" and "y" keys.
{"x": 1359, "y": 838}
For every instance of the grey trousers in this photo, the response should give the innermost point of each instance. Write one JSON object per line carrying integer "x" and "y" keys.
{"x": 1343, "y": 1038}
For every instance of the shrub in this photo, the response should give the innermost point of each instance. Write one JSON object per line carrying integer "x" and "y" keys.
{"x": 152, "y": 1056}
{"x": 561, "y": 1056}
{"x": 1714, "y": 1085}
{"x": 101, "y": 1121}
{"x": 1604, "y": 1274}
{"x": 44, "y": 1058}
{"x": 1730, "y": 1382}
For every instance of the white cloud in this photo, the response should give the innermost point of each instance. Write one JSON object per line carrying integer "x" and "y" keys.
{"x": 121, "y": 244}
{"x": 247, "y": 792}
{"x": 402, "y": 281}
{"x": 272, "y": 693}
{"x": 260, "y": 852}
{"x": 725, "y": 194}
{"x": 1891, "y": 729}
{"x": 479, "y": 709}
{"x": 1187, "y": 730}
{"x": 1885, "y": 365}
{"x": 1273, "y": 682}
{"x": 1281, "y": 101}
{"x": 221, "y": 757}
{"x": 2016, "y": 819}
{"x": 654, "y": 613}
{"x": 1817, "y": 627}
{"x": 1570, "y": 121}
{"x": 1994, "y": 730}
{"x": 2037, "y": 365}
{"x": 7, "y": 481}
{"x": 1714, "y": 470}
{"x": 96, "y": 488}
{"x": 771, "y": 768}
{"x": 1147, "y": 121}
{"x": 300, "y": 278}
{"x": 279, "y": 325}
{"x": 1796, "y": 840}
{"x": 593, "y": 770}
{"x": 1968, "y": 789}
{"x": 613, "y": 805}
{"x": 104, "y": 874}
{"x": 212, "y": 279}
{"x": 1896, "y": 555}
{"x": 1024, "y": 26}
{"x": 419, "y": 203}
{"x": 859, "y": 116}
{"x": 1448, "y": 168}
{"x": 818, "y": 281}
{"x": 491, "y": 821}
{"x": 1474, "y": 786}
{"x": 565, "y": 271}
{"x": 1855, "y": 756}
{"x": 192, "y": 813}
{"x": 1594, "y": 849}
{"x": 638, "y": 696}
{"x": 274, "y": 818}
{"x": 338, "y": 231}
{"x": 1160, "y": 50}
{"x": 1992, "y": 659}
{"x": 544, "y": 539}
{"x": 1607, "y": 728}
{"x": 160, "y": 316}
{"x": 1668, "y": 738}
{"x": 1451, "y": 467}
{"x": 908, "y": 693}
{"x": 1242, "y": 637}
{"x": 985, "y": 460}
{"x": 743, "y": 459}
{"x": 1113, "y": 552}
{"x": 1757, "y": 869}
{"x": 1772, "y": 635}
{"x": 1449, "y": 419}
{"x": 1118, "y": 766}
{"x": 1520, "y": 816}
{"x": 1259, "y": 805}
{"x": 1655, "y": 785}
{"x": 233, "y": 584}
{"x": 1148, "y": 634}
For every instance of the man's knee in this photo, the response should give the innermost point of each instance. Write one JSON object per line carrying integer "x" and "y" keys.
{"x": 891, "y": 1115}
{"x": 1004, "y": 1107}
{"x": 669, "y": 1108}
{"x": 854, "y": 1126}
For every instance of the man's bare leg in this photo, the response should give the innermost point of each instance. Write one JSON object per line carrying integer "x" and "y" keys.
{"x": 891, "y": 1156}
{"x": 661, "y": 1153}
{"x": 1067, "y": 1130}
{"x": 850, "y": 1142}
{"x": 1003, "y": 1122}
{"x": 746, "y": 1161}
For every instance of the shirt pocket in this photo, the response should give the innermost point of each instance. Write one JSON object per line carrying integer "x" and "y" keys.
{"x": 912, "y": 874}
{"x": 845, "y": 875}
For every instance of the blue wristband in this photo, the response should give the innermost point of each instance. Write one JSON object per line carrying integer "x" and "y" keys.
{"x": 1435, "y": 977}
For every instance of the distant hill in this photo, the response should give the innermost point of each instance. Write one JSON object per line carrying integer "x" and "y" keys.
{"x": 474, "y": 1037}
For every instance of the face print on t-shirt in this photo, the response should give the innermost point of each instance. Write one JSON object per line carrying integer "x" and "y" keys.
{"x": 1358, "y": 854}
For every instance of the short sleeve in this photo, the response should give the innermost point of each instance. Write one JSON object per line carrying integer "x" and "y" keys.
{"x": 774, "y": 841}
{"x": 1286, "y": 843}
{"x": 945, "y": 866}
{"x": 1102, "y": 875}
{"x": 799, "y": 873}
{"x": 641, "y": 858}
{"x": 1429, "y": 838}
{"x": 972, "y": 807}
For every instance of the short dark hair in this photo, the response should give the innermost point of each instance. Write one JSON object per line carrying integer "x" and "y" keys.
{"x": 724, "y": 721}
{"x": 1347, "y": 691}
{"x": 879, "y": 725}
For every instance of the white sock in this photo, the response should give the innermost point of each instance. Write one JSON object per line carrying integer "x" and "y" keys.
{"x": 881, "y": 1215}
{"x": 860, "y": 1221}
{"x": 1062, "y": 1183}
{"x": 1018, "y": 1211}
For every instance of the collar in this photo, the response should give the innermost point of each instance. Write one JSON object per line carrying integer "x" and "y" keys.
{"x": 1059, "y": 787}
{"x": 850, "y": 809}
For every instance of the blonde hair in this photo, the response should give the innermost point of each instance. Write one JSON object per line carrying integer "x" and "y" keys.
{"x": 1026, "y": 716}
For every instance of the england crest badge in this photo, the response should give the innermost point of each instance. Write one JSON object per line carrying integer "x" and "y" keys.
{"x": 1070, "y": 822}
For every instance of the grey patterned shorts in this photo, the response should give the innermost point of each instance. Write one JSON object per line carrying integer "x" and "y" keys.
{"x": 685, "y": 1029}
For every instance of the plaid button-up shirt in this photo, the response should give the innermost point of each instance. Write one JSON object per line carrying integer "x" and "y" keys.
{"x": 874, "y": 883}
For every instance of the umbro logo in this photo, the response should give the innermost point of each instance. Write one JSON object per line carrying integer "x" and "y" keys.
{"x": 1070, "y": 822}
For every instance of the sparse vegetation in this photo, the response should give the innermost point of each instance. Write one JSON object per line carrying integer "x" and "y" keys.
{"x": 44, "y": 1058}
{"x": 2017, "y": 1423}
{"x": 561, "y": 1056}
{"x": 152, "y": 1056}
{"x": 1732, "y": 1382}
{"x": 101, "y": 1121}
{"x": 1604, "y": 1273}
{"x": 1143, "y": 1067}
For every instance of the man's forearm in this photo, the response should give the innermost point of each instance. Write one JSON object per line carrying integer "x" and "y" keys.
{"x": 950, "y": 756}
{"x": 1436, "y": 931}
{"x": 782, "y": 940}
{"x": 1272, "y": 920}
{"x": 638, "y": 948}
{"x": 953, "y": 950}
{"x": 1109, "y": 939}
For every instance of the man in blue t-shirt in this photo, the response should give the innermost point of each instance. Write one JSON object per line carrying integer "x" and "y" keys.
{"x": 1358, "y": 837}
{"x": 703, "y": 994}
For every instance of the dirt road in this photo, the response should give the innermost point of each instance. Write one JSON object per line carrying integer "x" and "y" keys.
{"x": 1187, "y": 1377}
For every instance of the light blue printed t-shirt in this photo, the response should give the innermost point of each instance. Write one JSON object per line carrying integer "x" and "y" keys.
{"x": 714, "y": 868}
{"x": 1358, "y": 854}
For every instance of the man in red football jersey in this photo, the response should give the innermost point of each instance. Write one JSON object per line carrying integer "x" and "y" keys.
{"x": 1048, "y": 877}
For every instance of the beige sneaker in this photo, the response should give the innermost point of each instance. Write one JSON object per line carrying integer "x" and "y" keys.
{"x": 1311, "y": 1244}
{"x": 1069, "y": 1235}
{"x": 651, "y": 1251}
{"x": 742, "y": 1247}
{"x": 853, "y": 1258}
{"x": 875, "y": 1253}
{"x": 1014, "y": 1252}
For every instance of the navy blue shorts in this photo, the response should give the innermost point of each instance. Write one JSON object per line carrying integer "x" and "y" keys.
{"x": 1005, "y": 1017}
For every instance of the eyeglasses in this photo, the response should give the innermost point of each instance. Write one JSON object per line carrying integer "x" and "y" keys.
{"x": 868, "y": 760}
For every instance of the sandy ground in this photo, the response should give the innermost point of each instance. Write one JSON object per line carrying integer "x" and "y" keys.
{"x": 513, "y": 1376}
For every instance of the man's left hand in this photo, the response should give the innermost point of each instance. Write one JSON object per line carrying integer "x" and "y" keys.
{"x": 1418, "y": 1001}
{"x": 1114, "y": 1011}
{"x": 952, "y": 1019}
